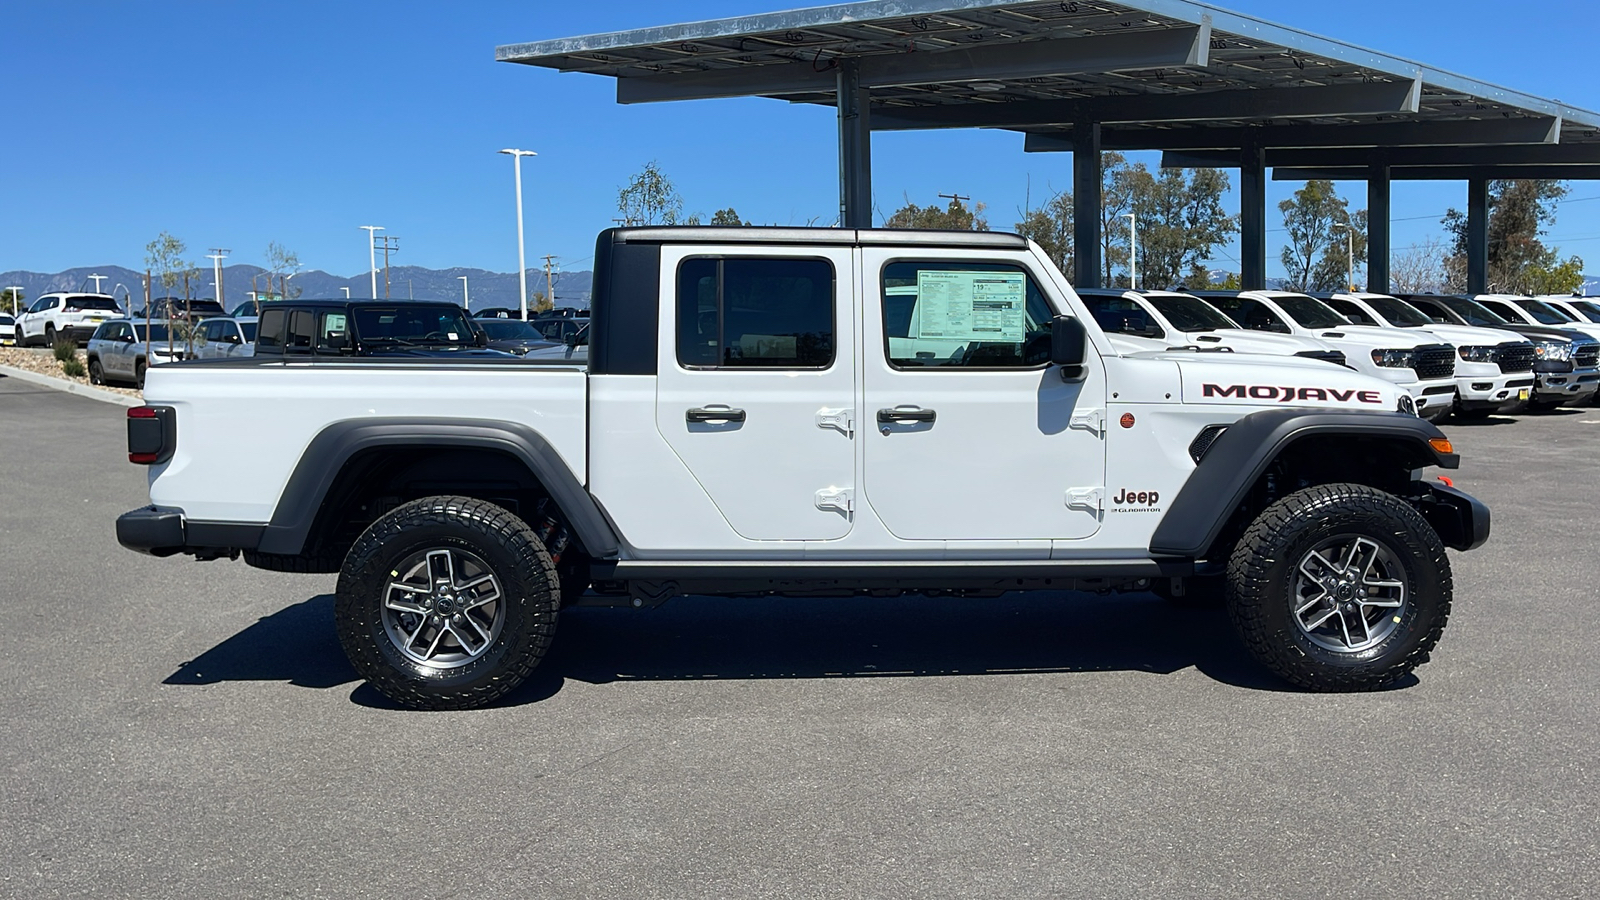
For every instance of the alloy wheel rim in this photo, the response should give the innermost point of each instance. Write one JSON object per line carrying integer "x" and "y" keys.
{"x": 1349, "y": 594}
{"x": 443, "y": 607}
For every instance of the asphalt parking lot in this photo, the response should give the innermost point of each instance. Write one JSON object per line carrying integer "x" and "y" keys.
{"x": 175, "y": 728}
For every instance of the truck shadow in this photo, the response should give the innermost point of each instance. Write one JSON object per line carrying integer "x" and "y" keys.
{"x": 757, "y": 638}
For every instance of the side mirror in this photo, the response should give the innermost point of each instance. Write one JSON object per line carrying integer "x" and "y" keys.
{"x": 1068, "y": 341}
{"x": 480, "y": 338}
{"x": 127, "y": 339}
{"x": 571, "y": 340}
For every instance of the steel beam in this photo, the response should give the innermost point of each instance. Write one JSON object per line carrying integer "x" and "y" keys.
{"x": 1442, "y": 173}
{"x": 1377, "y": 134}
{"x": 1378, "y": 229}
{"x": 1478, "y": 236}
{"x": 1336, "y": 158}
{"x": 1252, "y": 218}
{"x": 1375, "y": 98}
{"x": 855, "y": 147}
{"x": 1087, "y": 206}
{"x": 1174, "y": 48}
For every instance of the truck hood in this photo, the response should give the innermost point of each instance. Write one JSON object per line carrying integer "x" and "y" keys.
{"x": 1243, "y": 340}
{"x": 1256, "y": 380}
{"x": 1377, "y": 338}
{"x": 1471, "y": 335}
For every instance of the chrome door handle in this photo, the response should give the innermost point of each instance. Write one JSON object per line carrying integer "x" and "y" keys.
{"x": 908, "y": 414}
{"x": 702, "y": 414}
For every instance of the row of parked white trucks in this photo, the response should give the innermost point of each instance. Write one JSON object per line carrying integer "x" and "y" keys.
{"x": 864, "y": 412}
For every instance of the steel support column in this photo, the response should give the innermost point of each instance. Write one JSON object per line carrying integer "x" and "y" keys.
{"x": 1478, "y": 236}
{"x": 1087, "y": 206}
{"x": 1378, "y": 229}
{"x": 1253, "y": 218}
{"x": 855, "y": 147}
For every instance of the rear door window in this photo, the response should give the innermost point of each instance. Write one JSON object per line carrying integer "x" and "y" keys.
{"x": 269, "y": 337}
{"x": 747, "y": 313}
{"x": 302, "y": 331}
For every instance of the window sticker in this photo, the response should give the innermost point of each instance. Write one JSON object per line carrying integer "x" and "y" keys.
{"x": 971, "y": 306}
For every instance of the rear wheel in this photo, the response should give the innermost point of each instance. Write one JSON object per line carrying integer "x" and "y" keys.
{"x": 138, "y": 374}
{"x": 97, "y": 375}
{"x": 1340, "y": 587}
{"x": 447, "y": 603}
{"x": 49, "y": 335}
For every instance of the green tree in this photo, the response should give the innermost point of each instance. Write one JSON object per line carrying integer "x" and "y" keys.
{"x": 164, "y": 256}
{"x": 1333, "y": 271}
{"x": 1519, "y": 261}
{"x": 282, "y": 263}
{"x": 1050, "y": 226}
{"x": 955, "y": 217}
{"x": 729, "y": 216}
{"x": 1560, "y": 278}
{"x": 649, "y": 198}
{"x": 1181, "y": 223}
{"x": 1118, "y": 186}
{"x": 1315, "y": 256}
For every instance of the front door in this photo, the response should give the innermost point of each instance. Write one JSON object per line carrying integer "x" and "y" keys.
{"x": 971, "y": 434}
{"x": 756, "y": 384}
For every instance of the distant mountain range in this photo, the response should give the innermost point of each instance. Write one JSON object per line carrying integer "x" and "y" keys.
{"x": 485, "y": 288}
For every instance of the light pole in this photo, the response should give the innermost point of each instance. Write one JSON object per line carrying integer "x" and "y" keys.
{"x": 1349, "y": 251}
{"x": 522, "y": 258}
{"x": 346, "y": 292}
{"x": 286, "y": 284}
{"x": 466, "y": 301}
{"x": 97, "y": 280}
{"x": 372, "y": 256}
{"x": 217, "y": 255}
{"x": 16, "y": 297}
{"x": 1133, "y": 250}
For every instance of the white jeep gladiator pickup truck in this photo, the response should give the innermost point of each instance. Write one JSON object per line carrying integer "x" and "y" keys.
{"x": 803, "y": 412}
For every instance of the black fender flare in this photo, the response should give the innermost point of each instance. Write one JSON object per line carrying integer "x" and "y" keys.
{"x": 1239, "y": 457}
{"x": 326, "y": 455}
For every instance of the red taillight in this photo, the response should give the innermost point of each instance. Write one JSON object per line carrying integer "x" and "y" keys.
{"x": 141, "y": 412}
{"x": 150, "y": 435}
{"x": 143, "y": 459}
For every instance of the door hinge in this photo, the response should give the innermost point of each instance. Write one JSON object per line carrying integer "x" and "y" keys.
{"x": 842, "y": 419}
{"x": 837, "y": 499}
{"x": 1090, "y": 420}
{"x": 1089, "y": 499}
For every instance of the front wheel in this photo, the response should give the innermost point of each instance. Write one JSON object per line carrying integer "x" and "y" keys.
{"x": 97, "y": 375}
{"x": 447, "y": 603}
{"x": 1340, "y": 587}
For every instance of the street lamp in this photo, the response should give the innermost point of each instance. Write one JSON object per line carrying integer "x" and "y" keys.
{"x": 1349, "y": 252}
{"x": 372, "y": 256}
{"x": 466, "y": 301}
{"x": 97, "y": 280}
{"x": 346, "y": 291}
{"x": 522, "y": 258}
{"x": 1133, "y": 249}
{"x": 16, "y": 297}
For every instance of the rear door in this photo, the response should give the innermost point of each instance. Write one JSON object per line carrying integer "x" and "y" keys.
{"x": 756, "y": 384}
{"x": 970, "y": 433}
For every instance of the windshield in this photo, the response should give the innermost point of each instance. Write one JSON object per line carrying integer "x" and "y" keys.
{"x": 1472, "y": 311}
{"x": 1310, "y": 312}
{"x": 1399, "y": 312}
{"x": 414, "y": 325}
{"x": 1589, "y": 309}
{"x": 1544, "y": 313}
{"x": 509, "y": 330}
{"x": 105, "y": 303}
{"x": 1191, "y": 314}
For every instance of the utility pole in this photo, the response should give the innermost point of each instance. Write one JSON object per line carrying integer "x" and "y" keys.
{"x": 97, "y": 280}
{"x": 549, "y": 282}
{"x": 466, "y": 301}
{"x": 522, "y": 258}
{"x": 954, "y": 198}
{"x": 372, "y": 254}
{"x": 1133, "y": 249}
{"x": 390, "y": 244}
{"x": 217, "y": 255}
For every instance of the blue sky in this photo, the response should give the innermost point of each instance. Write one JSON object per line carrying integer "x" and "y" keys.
{"x": 235, "y": 124}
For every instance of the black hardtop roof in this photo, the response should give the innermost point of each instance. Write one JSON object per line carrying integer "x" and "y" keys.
{"x": 720, "y": 234}
{"x": 355, "y": 304}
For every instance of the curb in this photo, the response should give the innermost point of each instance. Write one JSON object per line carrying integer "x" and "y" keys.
{"x": 70, "y": 387}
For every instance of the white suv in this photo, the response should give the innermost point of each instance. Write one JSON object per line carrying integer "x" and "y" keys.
{"x": 1160, "y": 320}
{"x": 64, "y": 316}
{"x": 1494, "y": 368}
{"x": 1421, "y": 364}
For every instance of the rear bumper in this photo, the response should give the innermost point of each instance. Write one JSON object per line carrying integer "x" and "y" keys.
{"x": 165, "y": 531}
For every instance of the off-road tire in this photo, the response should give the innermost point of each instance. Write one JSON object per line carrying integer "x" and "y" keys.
{"x": 97, "y": 375}
{"x": 1262, "y": 573}
{"x": 531, "y": 591}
